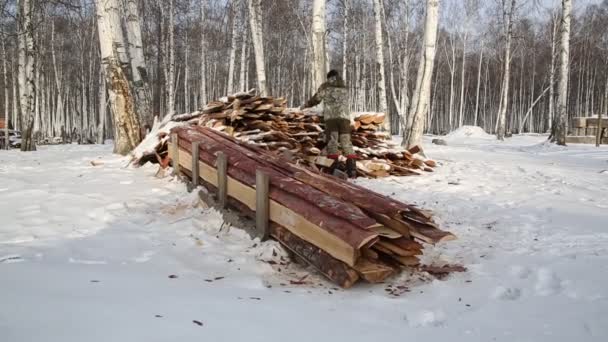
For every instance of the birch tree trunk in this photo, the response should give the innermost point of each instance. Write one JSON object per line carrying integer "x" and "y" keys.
{"x": 127, "y": 133}
{"x": 141, "y": 83}
{"x": 502, "y": 111}
{"x": 345, "y": 37}
{"x": 382, "y": 105}
{"x": 462, "y": 79}
{"x": 421, "y": 99}
{"x": 318, "y": 43}
{"x": 203, "y": 56}
{"x": 101, "y": 126}
{"x": 564, "y": 69}
{"x": 27, "y": 89}
{"x": 257, "y": 35}
{"x": 244, "y": 59}
{"x": 6, "y": 95}
{"x": 232, "y": 62}
{"x": 170, "y": 53}
{"x": 475, "y": 122}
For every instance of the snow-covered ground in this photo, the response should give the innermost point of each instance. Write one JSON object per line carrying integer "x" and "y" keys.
{"x": 108, "y": 253}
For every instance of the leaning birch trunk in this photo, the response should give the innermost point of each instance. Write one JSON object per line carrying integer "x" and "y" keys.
{"x": 27, "y": 89}
{"x": 255, "y": 14}
{"x": 126, "y": 122}
{"x": 140, "y": 84}
{"x": 203, "y": 61}
{"x": 382, "y": 105}
{"x": 564, "y": 69}
{"x": 318, "y": 43}
{"x": 502, "y": 112}
{"x": 422, "y": 93}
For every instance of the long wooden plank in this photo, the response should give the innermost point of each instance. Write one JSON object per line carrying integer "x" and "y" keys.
{"x": 335, "y": 270}
{"x": 283, "y": 216}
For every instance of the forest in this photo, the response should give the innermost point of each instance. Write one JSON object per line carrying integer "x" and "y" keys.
{"x": 183, "y": 53}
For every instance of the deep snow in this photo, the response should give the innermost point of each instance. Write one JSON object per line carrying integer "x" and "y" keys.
{"x": 98, "y": 253}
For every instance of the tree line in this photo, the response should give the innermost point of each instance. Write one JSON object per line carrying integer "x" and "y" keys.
{"x": 87, "y": 70}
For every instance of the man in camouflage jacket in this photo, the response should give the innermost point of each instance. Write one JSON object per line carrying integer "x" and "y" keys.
{"x": 336, "y": 114}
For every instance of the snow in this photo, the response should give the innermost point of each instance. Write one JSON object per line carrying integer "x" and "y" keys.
{"x": 110, "y": 253}
{"x": 468, "y": 133}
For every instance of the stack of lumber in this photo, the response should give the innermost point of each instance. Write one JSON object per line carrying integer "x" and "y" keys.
{"x": 345, "y": 231}
{"x": 584, "y": 130}
{"x": 266, "y": 122}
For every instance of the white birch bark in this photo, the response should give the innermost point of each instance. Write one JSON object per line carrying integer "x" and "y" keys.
{"x": 170, "y": 61}
{"x": 502, "y": 112}
{"x": 6, "y": 95}
{"x": 421, "y": 99}
{"x": 475, "y": 121}
{"x": 27, "y": 89}
{"x": 233, "y": 44}
{"x": 319, "y": 64}
{"x": 141, "y": 83}
{"x": 564, "y": 70}
{"x": 203, "y": 55}
{"x": 257, "y": 35}
{"x": 127, "y": 133}
{"x": 101, "y": 126}
{"x": 345, "y": 35}
{"x": 462, "y": 80}
{"x": 379, "y": 38}
{"x": 244, "y": 54}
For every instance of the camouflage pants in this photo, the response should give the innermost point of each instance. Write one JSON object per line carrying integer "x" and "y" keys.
{"x": 337, "y": 133}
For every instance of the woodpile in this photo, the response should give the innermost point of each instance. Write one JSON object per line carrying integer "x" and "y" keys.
{"x": 345, "y": 231}
{"x": 266, "y": 122}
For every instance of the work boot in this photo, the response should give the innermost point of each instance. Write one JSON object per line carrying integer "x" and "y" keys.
{"x": 351, "y": 167}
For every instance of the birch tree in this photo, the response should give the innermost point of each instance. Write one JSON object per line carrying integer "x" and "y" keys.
{"x": 140, "y": 83}
{"x": 422, "y": 94}
{"x": 508, "y": 11}
{"x": 552, "y": 73}
{"x": 257, "y": 35}
{"x": 5, "y": 94}
{"x": 233, "y": 46}
{"x": 383, "y": 106}
{"x": 27, "y": 88}
{"x": 127, "y": 133}
{"x": 564, "y": 69}
{"x": 318, "y": 43}
{"x": 203, "y": 55}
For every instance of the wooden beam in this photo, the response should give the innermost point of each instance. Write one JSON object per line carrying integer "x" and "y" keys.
{"x": 174, "y": 153}
{"x": 222, "y": 179}
{"x": 262, "y": 218}
{"x": 195, "y": 171}
{"x": 334, "y": 269}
